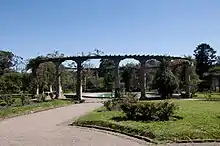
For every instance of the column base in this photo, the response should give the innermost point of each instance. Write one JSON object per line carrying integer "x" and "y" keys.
{"x": 143, "y": 97}
{"x": 60, "y": 96}
{"x": 117, "y": 93}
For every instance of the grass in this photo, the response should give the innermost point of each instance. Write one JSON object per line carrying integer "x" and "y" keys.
{"x": 196, "y": 120}
{"x": 211, "y": 96}
{"x": 33, "y": 107}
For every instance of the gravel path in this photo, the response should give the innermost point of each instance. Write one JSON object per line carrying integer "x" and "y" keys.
{"x": 50, "y": 128}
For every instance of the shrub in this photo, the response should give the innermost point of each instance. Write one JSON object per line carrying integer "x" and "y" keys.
{"x": 115, "y": 104}
{"x": 25, "y": 99}
{"x": 2, "y": 103}
{"x": 41, "y": 97}
{"x": 208, "y": 96}
{"x": 164, "y": 110}
{"x": 144, "y": 111}
{"x": 165, "y": 80}
{"x": 7, "y": 99}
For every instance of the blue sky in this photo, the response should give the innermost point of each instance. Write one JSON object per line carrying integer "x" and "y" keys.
{"x": 172, "y": 27}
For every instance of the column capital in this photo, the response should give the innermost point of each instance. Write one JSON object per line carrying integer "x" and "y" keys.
{"x": 57, "y": 63}
{"x": 116, "y": 61}
{"x": 142, "y": 61}
{"x": 79, "y": 60}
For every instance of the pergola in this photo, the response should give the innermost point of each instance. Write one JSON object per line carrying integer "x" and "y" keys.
{"x": 116, "y": 59}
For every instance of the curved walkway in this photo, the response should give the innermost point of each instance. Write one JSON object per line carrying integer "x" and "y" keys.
{"x": 50, "y": 128}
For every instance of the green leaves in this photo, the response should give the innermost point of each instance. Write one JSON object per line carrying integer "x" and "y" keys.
{"x": 165, "y": 80}
{"x": 152, "y": 111}
{"x": 205, "y": 56}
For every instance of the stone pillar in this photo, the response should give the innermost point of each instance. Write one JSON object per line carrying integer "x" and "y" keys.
{"x": 117, "y": 80}
{"x": 37, "y": 91}
{"x": 79, "y": 81}
{"x": 213, "y": 83}
{"x": 142, "y": 79}
{"x": 34, "y": 76}
{"x": 51, "y": 88}
{"x": 218, "y": 84}
{"x": 97, "y": 77}
{"x": 58, "y": 84}
{"x": 187, "y": 79}
{"x": 85, "y": 86}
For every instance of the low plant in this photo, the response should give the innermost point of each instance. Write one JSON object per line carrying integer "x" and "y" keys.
{"x": 25, "y": 99}
{"x": 149, "y": 111}
{"x": 115, "y": 104}
{"x": 2, "y": 103}
{"x": 41, "y": 97}
{"x": 7, "y": 99}
{"x": 164, "y": 110}
{"x": 208, "y": 96}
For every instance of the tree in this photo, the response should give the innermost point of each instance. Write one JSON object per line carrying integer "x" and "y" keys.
{"x": 68, "y": 81}
{"x": 127, "y": 71}
{"x": 205, "y": 57}
{"x": 43, "y": 75}
{"x": 46, "y": 75}
{"x": 106, "y": 70}
{"x": 11, "y": 82}
{"x": 6, "y": 61}
{"x": 165, "y": 81}
{"x": 26, "y": 79}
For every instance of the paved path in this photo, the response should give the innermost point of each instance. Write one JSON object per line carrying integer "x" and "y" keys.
{"x": 50, "y": 128}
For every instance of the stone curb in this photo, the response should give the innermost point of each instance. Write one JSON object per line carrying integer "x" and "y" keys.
{"x": 117, "y": 131}
{"x": 198, "y": 141}
{"x": 146, "y": 138}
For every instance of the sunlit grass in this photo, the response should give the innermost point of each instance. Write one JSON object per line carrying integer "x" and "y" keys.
{"x": 197, "y": 120}
{"x": 19, "y": 110}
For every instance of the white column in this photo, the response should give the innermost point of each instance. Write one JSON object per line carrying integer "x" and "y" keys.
{"x": 58, "y": 84}
{"x": 142, "y": 79}
{"x": 117, "y": 80}
{"x": 187, "y": 79}
{"x": 79, "y": 81}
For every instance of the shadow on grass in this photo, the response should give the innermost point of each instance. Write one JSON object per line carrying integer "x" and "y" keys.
{"x": 120, "y": 118}
{"x": 175, "y": 118}
{"x": 124, "y": 118}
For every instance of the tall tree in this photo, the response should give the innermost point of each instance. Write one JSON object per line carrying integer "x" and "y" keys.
{"x": 165, "y": 80}
{"x": 205, "y": 57}
{"x": 127, "y": 71}
{"x": 44, "y": 74}
{"x": 6, "y": 61}
{"x": 106, "y": 70}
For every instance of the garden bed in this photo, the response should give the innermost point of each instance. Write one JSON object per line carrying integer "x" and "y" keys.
{"x": 195, "y": 120}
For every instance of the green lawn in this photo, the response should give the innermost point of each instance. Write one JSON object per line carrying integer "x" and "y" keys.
{"x": 19, "y": 110}
{"x": 211, "y": 96}
{"x": 197, "y": 120}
